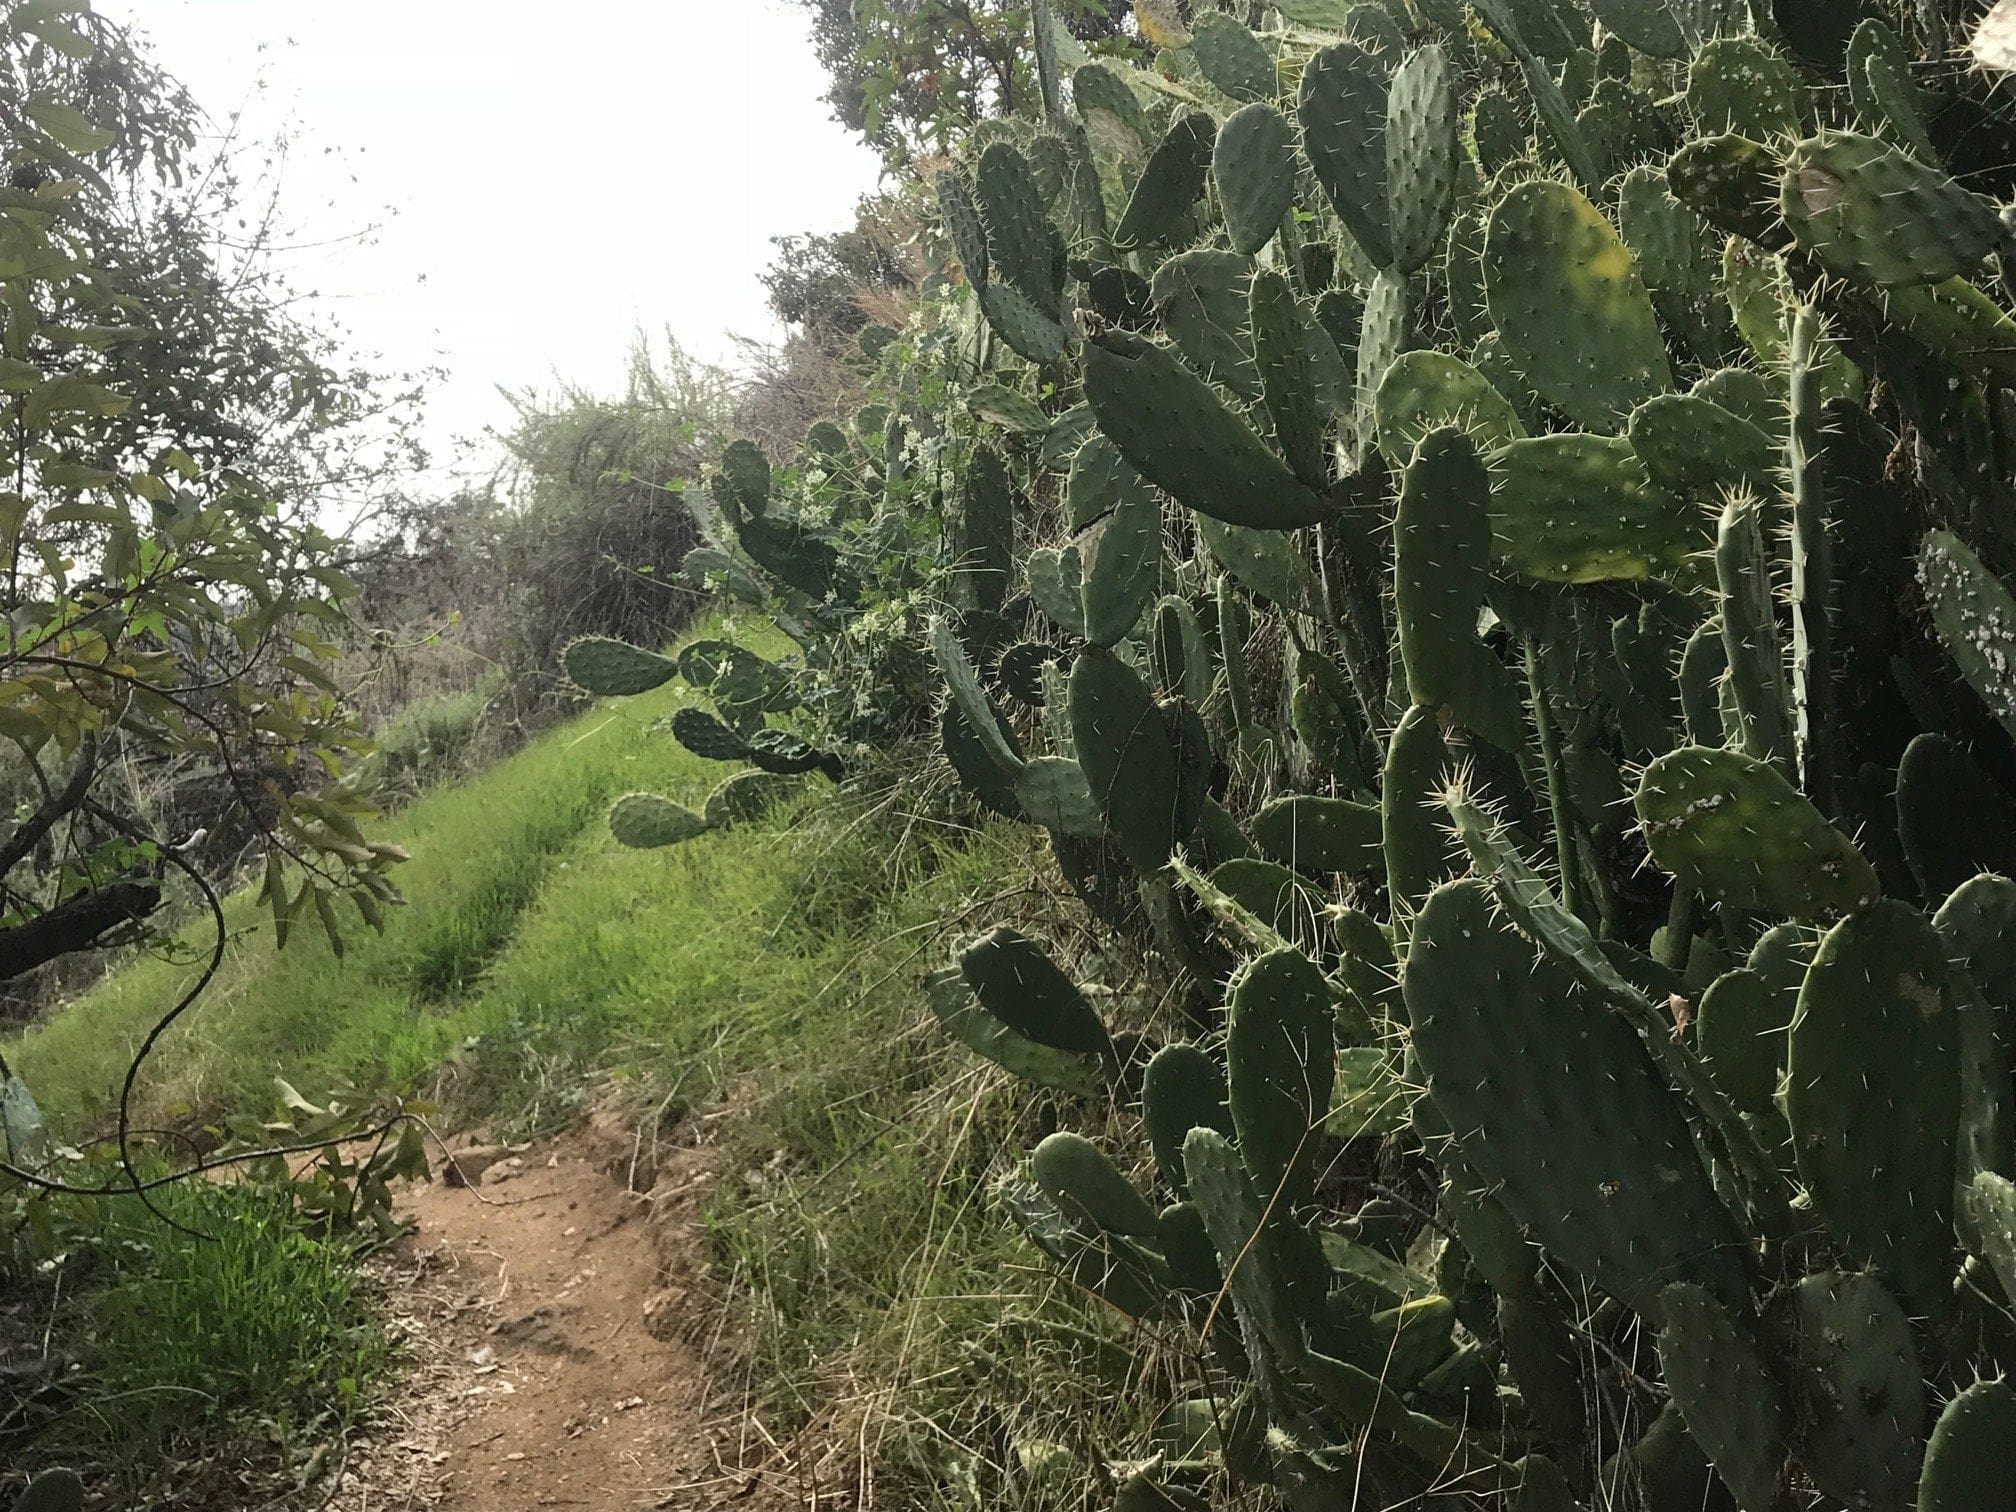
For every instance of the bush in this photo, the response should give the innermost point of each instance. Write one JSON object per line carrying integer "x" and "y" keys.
{"x": 582, "y": 531}
{"x": 435, "y": 737}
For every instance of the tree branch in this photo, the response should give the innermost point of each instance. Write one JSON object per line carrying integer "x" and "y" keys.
{"x": 75, "y": 925}
{"x": 29, "y": 834}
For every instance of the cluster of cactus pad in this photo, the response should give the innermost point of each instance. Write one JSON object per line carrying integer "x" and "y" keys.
{"x": 1482, "y": 542}
{"x": 745, "y": 689}
{"x": 830, "y": 550}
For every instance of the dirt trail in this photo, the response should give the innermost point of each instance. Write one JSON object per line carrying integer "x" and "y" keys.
{"x": 548, "y": 1311}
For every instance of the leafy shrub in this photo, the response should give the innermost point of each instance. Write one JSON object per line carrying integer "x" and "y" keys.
{"x": 434, "y": 737}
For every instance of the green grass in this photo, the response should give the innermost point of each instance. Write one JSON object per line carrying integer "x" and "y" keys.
{"x": 261, "y": 1317}
{"x": 394, "y": 1006}
{"x": 766, "y": 977}
{"x": 256, "y": 1334}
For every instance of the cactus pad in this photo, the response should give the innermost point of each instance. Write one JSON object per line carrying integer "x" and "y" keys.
{"x": 1569, "y": 305}
{"x": 1253, "y": 164}
{"x": 1053, "y": 791}
{"x": 1953, "y": 820}
{"x": 787, "y": 755}
{"x": 1109, "y": 1269}
{"x": 1698, "y": 451}
{"x": 1871, "y": 214}
{"x": 1857, "y": 1388}
{"x": 1976, "y": 619}
{"x": 1287, "y": 353}
{"x": 1098, "y": 478}
{"x": 616, "y": 669}
{"x": 1286, "y": 903}
{"x": 1739, "y": 1030}
{"x": 1958, "y": 323}
{"x": 1732, "y": 827}
{"x": 1129, "y": 759}
{"x": 1200, "y": 298}
{"x": 745, "y": 472}
{"x": 1884, "y": 94}
{"x": 645, "y": 821}
{"x": 1989, "y": 1203}
{"x": 1235, "y": 1218}
{"x": 1421, "y": 155}
{"x": 962, "y": 224}
{"x": 1140, "y": 1492}
{"x": 1554, "y": 1102}
{"x": 1755, "y": 686}
{"x": 1979, "y": 923}
{"x": 1020, "y": 322}
{"x": 1015, "y": 980}
{"x": 1182, "y": 1089}
{"x": 1099, "y": 90}
{"x": 1647, "y": 25}
{"x": 1122, "y": 564}
{"x": 972, "y": 761}
{"x": 1733, "y": 1407}
{"x": 1418, "y": 846}
{"x": 1171, "y": 182}
{"x": 1424, "y": 390}
{"x": 1739, "y": 84}
{"x": 1231, "y": 57}
{"x": 1023, "y": 250}
{"x": 1731, "y": 182}
{"x": 1181, "y": 436}
{"x": 1968, "y": 1465}
{"x": 52, "y": 1491}
{"x": 1872, "y": 1093}
{"x": 1673, "y": 248}
{"x": 1281, "y": 1065}
{"x": 1311, "y": 834}
{"x": 1442, "y": 557}
{"x": 1076, "y": 1174}
{"x": 960, "y": 1014}
{"x": 707, "y": 737}
{"x": 1343, "y": 112}
{"x": 1577, "y": 508}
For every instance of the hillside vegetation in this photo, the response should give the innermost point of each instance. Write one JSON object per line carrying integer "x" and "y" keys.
{"x": 493, "y": 858}
{"x": 1478, "y": 535}
{"x": 1410, "y": 633}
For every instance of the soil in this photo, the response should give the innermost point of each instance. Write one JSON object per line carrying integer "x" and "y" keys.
{"x": 556, "y": 1322}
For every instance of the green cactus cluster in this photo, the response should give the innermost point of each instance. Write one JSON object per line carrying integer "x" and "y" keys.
{"x": 1479, "y": 533}
{"x": 745, "y": 689}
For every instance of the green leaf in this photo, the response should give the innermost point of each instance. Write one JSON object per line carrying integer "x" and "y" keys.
{"x": 276, "y": 897}
{"x": 71, "y": 44}
{"x": 79, "y": 475}
{"x": 71, "y": 128}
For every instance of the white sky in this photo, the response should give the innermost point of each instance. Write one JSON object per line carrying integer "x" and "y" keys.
{"x": 559, "y": 173}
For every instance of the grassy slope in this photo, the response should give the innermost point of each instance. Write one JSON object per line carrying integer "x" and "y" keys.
{"x": 393, "y": 1007}
{"x": 782, "y": 960}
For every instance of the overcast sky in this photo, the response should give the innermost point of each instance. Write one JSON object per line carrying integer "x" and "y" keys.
{"x": 560, "y": 173}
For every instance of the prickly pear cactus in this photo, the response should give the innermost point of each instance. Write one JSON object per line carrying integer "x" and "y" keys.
{"x": 1480, "y": 537}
